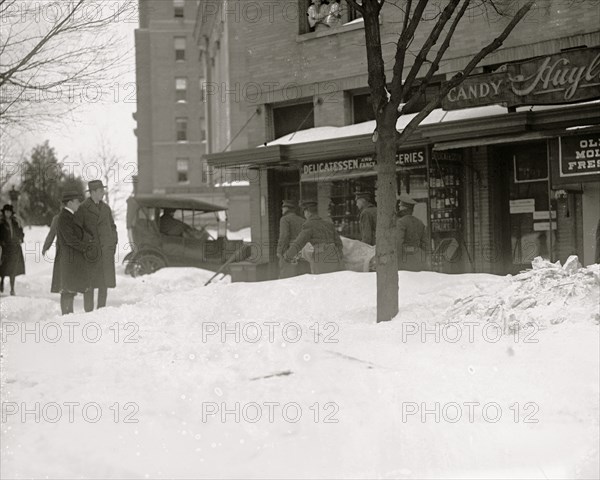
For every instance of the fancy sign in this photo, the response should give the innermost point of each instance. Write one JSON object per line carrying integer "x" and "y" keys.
{"x": 567, "y": 77}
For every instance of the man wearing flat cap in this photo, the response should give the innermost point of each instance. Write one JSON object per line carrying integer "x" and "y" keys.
{"x": 367, "y": 218}
{"x": 290, "y": 226}
{"x": 71, "y": 272}
{"x": 324, "y": 238}
{"x": 96, "y": 218}
{"x": 411, "y": 237}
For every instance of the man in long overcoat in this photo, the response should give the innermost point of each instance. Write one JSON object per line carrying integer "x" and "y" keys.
{"x": 96, "y": 218}
{"x": 322, "y": 235}
{"x": 70, "y": 274}
{"x": 411, "y": 237}
{"x": 290, "y": 226}
{"x": 367, "y": 218}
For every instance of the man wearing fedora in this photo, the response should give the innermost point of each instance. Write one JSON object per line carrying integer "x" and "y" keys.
{"x": 96, "y": 218}
{"x": 411, "y": 237}
{"x": 70, "y": 274}
{"x": 290, "y": 226}
{"x": 322, "y": 235}
{"x": 367, "y": 218}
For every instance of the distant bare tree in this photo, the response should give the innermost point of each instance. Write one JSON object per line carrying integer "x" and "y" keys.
{"x": 56, "y": 55}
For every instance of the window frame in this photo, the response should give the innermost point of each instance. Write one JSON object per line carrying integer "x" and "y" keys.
{"x": 181, "y": 91}
{"x": 179, "y": 161}
{"x": 178, "y": 8}
{"x": 180, "y": 52}
{"x": 181, "y": 121}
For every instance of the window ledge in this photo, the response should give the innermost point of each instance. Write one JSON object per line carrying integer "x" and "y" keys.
{"x": 358, "y": 24}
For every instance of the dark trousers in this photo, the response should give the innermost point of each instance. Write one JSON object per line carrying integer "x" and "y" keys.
{"x": 66, "y": 302}
{"x": 88, "y": 299}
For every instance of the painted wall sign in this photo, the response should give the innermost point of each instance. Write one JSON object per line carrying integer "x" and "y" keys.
{"x": 354, "y": 167}
{"x": 566, "y": 77}
{"x": 579, "y": 157}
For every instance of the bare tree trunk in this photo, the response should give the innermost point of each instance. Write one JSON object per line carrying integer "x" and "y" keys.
{"x": 387, "y": 263}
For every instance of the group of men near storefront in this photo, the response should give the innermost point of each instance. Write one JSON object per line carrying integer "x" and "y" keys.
{"x": 296, "y": 231}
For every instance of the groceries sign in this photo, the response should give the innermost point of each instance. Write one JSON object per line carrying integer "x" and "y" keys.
{"x": 567, "y": 77}
{"x": 356, "y": 167}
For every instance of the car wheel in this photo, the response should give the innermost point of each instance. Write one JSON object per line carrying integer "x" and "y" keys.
{"x": 147, "y": 264}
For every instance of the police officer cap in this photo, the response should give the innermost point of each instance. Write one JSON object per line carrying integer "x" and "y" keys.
{"x": 70, "y": 195}
{"x": 288, "y": 204}
{"x": 406, "y": 200}
{"x": 365, "y": 195}
{"x": 309, "y": 203}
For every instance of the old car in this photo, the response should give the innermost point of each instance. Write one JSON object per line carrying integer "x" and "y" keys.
{"x": 176, "y": 231}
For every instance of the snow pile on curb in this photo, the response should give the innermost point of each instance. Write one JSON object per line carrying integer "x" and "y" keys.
{"x": 547, "y": 294}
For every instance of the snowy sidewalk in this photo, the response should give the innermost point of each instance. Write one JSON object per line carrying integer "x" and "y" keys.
{"x": 177, "y": 380}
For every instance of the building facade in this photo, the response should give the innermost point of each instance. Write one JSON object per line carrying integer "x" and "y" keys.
{"x": 171, "y": 112}
{"x": 488, "y": 177}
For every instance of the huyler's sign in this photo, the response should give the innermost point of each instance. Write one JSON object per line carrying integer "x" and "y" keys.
{"x": 568, "y": 77}
{"x": 580, "y": 157}
{"x": 355, "y": 167}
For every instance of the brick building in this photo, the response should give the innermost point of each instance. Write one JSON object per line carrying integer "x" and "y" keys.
{"x": 489, "y": 181}
{"x": 171, "y": 114}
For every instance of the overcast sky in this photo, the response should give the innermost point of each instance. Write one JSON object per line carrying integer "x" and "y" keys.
{"x": 77, "y": 136}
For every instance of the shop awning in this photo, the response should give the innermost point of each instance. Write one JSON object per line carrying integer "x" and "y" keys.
{"x": 446, "y": 130}
{"x": 474, "y": 142}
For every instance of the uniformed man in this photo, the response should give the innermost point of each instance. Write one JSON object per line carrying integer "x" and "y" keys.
{"x": 367, "y": 218}
{"x": 322, "y": 235}
{"x": 290, "y": 226}
{"x": 411, "y": 237}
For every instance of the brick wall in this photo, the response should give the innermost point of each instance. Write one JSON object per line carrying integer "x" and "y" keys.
{"x": 268, "y": 54}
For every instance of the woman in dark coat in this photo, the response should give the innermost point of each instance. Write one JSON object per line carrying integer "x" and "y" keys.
{"x": 11, "y": 238}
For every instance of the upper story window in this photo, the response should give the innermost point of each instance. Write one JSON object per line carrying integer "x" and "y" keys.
{"x": 291, "y": 118}
{"x": 183, "y": 170}
{"x": 179, "y": 48}
{"x": 181, "y": 90}
{"x": 323, "y": 15}
{"x": 181, "y": 125}
{"x": 178, "y": 8}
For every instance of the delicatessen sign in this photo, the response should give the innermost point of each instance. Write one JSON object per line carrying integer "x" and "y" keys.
{"x": 356, "y": 167}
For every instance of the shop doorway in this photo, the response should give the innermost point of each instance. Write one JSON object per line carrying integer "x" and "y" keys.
{"x": 523, "y": 212}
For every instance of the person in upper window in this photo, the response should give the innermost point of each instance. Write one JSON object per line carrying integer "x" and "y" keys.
{"x": 318, "y": 13}
{"x": 334, "y": 18}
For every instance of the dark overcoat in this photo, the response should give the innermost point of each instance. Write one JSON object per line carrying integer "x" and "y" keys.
{"x": 327, "y": 244}
{"x": 290, "y": 226}
{"x": 368, "y": 223}
{"x": 71, "y": 271}
{"x": 13, "y": 263}
{"x": 97, "y": 220}
{"x": 411, "y": 244}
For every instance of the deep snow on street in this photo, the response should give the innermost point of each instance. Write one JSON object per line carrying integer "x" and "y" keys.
{"x": 293, "y": 379}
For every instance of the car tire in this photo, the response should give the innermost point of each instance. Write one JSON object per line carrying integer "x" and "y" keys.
{"x": 146, "y": 264}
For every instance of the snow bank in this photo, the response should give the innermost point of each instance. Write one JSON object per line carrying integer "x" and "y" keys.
{"x": 168, "y": 351}
{"x": 547, "y": 294}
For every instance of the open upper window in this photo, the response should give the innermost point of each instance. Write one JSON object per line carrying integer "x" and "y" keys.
{"x": 325, "y": 15}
